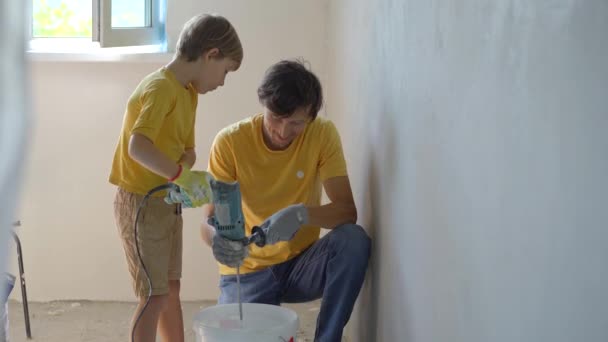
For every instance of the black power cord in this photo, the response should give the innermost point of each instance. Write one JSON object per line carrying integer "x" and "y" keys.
{"x": 139, "y": 208}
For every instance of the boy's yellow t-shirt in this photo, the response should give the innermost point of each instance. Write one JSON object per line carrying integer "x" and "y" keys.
{"x": 271, "y": 180}
{"x": 164, "y": 111}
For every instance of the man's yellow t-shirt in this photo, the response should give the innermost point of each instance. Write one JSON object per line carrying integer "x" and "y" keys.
{"x": 272, "y": 180}
{"x": 164, "y": 111}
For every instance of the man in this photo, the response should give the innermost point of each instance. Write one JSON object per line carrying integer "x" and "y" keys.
{"x": 282, "y": 159}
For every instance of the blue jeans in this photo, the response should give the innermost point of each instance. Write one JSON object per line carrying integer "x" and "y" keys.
{"x": 333, "y": 268}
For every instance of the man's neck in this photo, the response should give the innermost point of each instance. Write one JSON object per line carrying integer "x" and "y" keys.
{"x": 268, "y": 141}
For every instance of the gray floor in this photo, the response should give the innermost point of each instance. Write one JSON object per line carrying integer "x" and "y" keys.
{"x": 109, "y": 321}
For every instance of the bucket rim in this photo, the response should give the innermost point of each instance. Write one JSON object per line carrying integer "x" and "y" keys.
{"x": 198, "y": 324}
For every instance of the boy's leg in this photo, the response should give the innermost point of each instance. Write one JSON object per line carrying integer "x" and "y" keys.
{"x": 333, "y": 268}
{"x": 154, "y": 239}
{"x": 145, "y": 330}
{"x": 171, "y": 323}
{"x": 257, "y": 287}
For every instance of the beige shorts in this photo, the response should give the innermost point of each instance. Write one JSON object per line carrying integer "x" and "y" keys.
{"x": 159, "y": 236}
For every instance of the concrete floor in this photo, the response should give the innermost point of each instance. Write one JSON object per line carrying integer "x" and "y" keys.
{"x": 86, "y": 321}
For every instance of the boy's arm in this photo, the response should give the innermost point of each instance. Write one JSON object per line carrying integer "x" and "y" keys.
{"x": 188, "y": 158}
{"x": 143, "y": 151}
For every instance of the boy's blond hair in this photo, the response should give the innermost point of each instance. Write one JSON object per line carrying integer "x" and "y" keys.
{"x": 208, "y": 31}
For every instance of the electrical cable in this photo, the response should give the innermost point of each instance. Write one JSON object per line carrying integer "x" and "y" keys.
{"x": 139, "y": 208}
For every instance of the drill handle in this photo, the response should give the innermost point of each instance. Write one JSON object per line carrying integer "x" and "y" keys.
{"x": 257, "y": 236}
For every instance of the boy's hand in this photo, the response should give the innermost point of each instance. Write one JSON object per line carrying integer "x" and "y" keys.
{"x": 284, "y": 224}
{"x": 227, "y": 252}
{"x": 194, "y": 187}
{"x": 176, "y": 196}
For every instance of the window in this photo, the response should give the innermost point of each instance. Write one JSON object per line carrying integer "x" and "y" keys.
{"x": 109, "y": 22}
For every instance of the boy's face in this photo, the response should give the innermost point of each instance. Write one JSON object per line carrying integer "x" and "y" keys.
{"x": 212, "y": 72}
{"x": 280, "y": 131}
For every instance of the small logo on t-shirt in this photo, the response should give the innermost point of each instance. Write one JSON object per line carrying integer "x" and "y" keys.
{"x": 300, "y": 174}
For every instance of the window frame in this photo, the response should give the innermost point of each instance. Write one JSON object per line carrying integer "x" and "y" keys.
{"x": 130, "y": 36}
{"x": 107, "y": 36}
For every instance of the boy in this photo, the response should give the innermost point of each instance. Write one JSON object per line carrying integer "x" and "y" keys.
{"x": 156, "y": 145}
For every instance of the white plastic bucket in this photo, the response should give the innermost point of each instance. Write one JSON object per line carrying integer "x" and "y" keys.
{"x": 261, "y": 323}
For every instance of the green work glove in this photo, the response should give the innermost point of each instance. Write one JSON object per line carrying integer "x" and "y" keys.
{"x": 194, "y": 187}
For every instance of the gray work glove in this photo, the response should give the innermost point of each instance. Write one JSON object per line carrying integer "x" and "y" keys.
{"x": 227, "y": 252}
{"x": 283, "y": 225}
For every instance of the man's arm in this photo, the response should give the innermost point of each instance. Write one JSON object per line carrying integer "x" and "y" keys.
{"x": 188, "y": 158}
{"x": 341, "y": 208}
{"x": 284, "y": 224}
{"x": 207, "y": 230}
{"x": 143, "y": 151}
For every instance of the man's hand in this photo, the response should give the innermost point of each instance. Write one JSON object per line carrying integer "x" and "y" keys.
{"x": 195, "y": 189}
{"x": 284, "y": 224}
{"x": 227, "y": 252}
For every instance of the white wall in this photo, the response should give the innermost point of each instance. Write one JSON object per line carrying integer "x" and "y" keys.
{"x": 71, "y": 247}
{"x": 476, "y": 138}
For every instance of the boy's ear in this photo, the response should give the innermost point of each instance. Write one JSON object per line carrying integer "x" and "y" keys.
{"x": 212, "y": 53}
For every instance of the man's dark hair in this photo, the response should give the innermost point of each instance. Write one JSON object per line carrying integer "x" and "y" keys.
{"x": 288, "y": 86}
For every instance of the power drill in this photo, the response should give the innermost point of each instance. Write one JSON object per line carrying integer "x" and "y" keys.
{"x": 228, "y": 214}
{"x": 230, "y": 224}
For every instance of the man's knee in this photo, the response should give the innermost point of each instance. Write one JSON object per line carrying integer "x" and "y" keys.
{"x": 352, "y": 240}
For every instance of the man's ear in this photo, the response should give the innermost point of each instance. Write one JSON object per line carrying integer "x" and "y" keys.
{"x": 211, "y": 53}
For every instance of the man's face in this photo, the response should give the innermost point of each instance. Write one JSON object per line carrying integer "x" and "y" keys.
{"x": 280, "y": 132}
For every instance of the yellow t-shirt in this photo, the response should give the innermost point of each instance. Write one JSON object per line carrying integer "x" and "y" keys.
{"x": 271, "y": 180}
{"x": 164, "y": 111}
